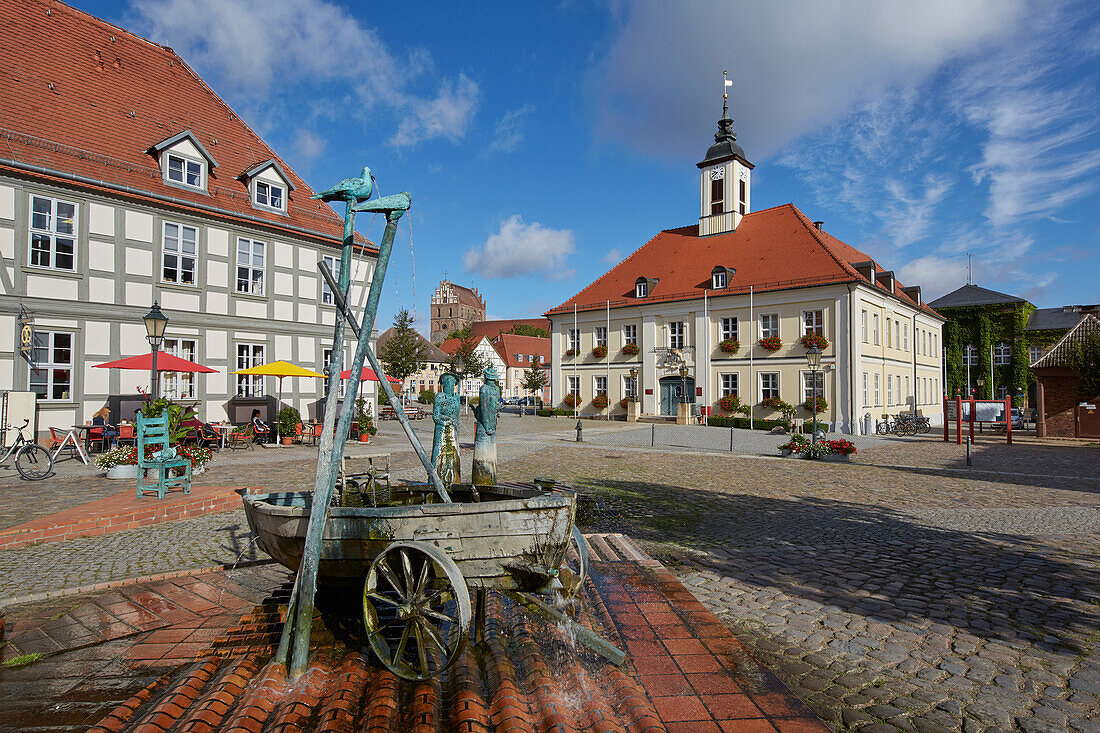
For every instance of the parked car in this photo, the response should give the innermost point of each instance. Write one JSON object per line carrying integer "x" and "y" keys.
{"x": 1017, "y": 419}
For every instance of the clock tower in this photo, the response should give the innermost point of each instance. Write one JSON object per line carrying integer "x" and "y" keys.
{"x": 724, "y": 177}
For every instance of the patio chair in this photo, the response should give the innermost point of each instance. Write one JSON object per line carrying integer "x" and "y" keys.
{"x": 207, "y": 436}
{"x": 126, "y": 435}
{"x": 153, "y": 431}
{"x": 242, "y": 437}
{"x": 299, "y": 433}
{"x": 315, "y": 432}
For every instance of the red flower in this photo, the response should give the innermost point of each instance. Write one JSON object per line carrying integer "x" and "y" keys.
{"x": 771, "y": 343}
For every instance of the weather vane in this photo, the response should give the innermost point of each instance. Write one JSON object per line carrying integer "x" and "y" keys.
{"x": 726, "y": 84}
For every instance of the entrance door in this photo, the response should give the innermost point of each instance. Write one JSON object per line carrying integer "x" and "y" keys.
{"x": 672, "y": 391}
{"x": 1088, "y": 418}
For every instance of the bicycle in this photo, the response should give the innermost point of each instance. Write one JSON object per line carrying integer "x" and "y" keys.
{"x": 33, "y": 462}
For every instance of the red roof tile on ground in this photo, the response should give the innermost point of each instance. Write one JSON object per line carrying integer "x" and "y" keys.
{"x": 82, "y": 97}
{"x": 773, "y": 249}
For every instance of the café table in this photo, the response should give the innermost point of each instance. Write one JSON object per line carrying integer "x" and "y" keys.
{"x": 223, "y": 429}
{"x": 87, "y": 430}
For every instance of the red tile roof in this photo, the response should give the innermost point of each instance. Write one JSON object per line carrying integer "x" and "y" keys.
{"x": 773, "y": 249}
{"x": 509, "y": 344}
{"x": 468, "y": 296}
{"x": 492, "y": 329}
{"x": 84, "y": 101}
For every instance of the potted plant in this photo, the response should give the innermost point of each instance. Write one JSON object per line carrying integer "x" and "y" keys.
{"x": 731, "y": 404}
{"x": 599, "y": 352}
{"x": 771, "y": 343}
{"x": 815, "y": 339}
{"x": 119, "y": 463}
{"x": 814, "y": 451}
{"x": 822, "y": 405}
{"x": 729, "y": 346}
{"x": 197, "y": 455}
{"x": 624, "y": 402}
{"x": 600, "y": 401}
{"x": 797, "y": 444}
{"x": 570, "y": 353}
{"x": 571, "y": 400}
{"x": 631, "y": 349}
{"x": 287, "y": 421}
{"x": 840, "y": 450}
{"x": 363, "y": 420}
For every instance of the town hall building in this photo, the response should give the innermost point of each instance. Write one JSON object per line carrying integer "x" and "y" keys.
{"x": 729, "y": 305}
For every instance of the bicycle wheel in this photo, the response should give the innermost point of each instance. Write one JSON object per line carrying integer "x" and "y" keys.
{"x": 925, "y": 426}
{"x": 907, "y": 428}
{"x": 882, "y": 428}
{"x": 33, "y": 462}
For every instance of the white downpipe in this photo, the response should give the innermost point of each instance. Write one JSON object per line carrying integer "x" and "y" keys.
{"x": 706, "y": 353}
{"x": 607, "y": 338}
{"x": 752, "y": 343}
{"x": 577, "y": 333}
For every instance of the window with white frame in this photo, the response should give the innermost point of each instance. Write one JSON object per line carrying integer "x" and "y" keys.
{"x": 769, "y": 325}
{"x": 53, "y": 234}
{"x": 905, "y": 337}
{"x": 718, "y": 279}
{"x": 630, "y": 387}
{"x": 179, "y": 246}
{"x": 808, "y": 379}
{"x": 729, "y": 329}
{"x": 889, "y": 336}
{"x": 248, "y": 356}
{"x": 889, "y": 389}
{"x": 333, "y": 264}
{"x": 813, "y": 322}
{"x": 599, "y": 384}
{"x": 250, "y": 266}
{"x": 970, "y": 355}
{"x": 52, "y": 377}
{"x": 1033, "y": 353}
{"x": 924, "y": 342}
{"x": 866, "y": 396}
{"x": 935, "y": 345}
{"x": 728, "y": 384}
{"x": 878, "y": 389}
{"x": 179, "y": 385}
{"x": 326, "y": 359}
{"x": 270, "y": 195}
{"x": 904, "y": 396}
{"x": 574, "y": 385}
{"x": 863, "y": 324}
{"x": 676, "y": 335}
{"x": 573, "y": 340}
{"x": 897, "y": 334}
{"x": 601, "y": 335}
{"x": 630, "y": 334}
{"x": 874, "y": 329}
{"x": 641, "y": 289}
{"x": 186, "y": 172}
{"x": 1002, "y": 353}
{"x": 769, "y": 385}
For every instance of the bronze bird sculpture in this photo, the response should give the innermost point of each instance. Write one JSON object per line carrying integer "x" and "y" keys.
{"x": 351, "y": 190}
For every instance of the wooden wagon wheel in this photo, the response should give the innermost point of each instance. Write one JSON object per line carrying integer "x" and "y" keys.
{"x": 416, "y": 609}
{"x": 573, "y": 572}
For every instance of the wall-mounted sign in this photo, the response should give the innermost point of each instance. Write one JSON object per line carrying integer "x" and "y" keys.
{"x": 24, "y": 336}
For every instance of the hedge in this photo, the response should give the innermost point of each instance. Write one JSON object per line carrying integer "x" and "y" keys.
{"x": 556, "y": 412}
{"x": 721, "y": 421}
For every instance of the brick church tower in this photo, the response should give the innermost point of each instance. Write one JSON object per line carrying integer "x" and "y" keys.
{"x": 453, "y": 307}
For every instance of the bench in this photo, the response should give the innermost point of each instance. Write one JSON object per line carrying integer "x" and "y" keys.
{"x": 152, "y": 432}
{"x": 386, "y": 412}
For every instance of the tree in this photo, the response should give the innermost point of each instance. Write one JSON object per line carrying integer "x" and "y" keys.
{"x": 403, "y": 354}
{"x": 536, "y": 378}
{"x": 473, "y": 363}
{"x": 524, "y": 329}
{"x": 460, "y": 333}
{"x": 1084, "y": 358}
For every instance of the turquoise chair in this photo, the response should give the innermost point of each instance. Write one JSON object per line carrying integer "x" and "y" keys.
{"x": 154, "y": 431}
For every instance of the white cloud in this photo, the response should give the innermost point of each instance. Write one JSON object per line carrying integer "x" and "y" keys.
{"x": 308, "y": 146}
{"x": 907, "y": 216}
{"x": 936, "y": 275}
{"x": 508, "y": 133}
{"x": 256, "y": 50}
{"x": 797, "y": 66}
{"x": 519, "y": 248}
{"x": 614, "y": 256}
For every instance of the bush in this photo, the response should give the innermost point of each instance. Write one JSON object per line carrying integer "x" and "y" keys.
{"x": 364, "y": 421}
{"x": 842, "y": 447}
{"x": 720, "y": 421}
{"x": 771, "y": 343}
{"x": 624, "y": 402}
{"x": 556, "y": 412}
{"x": 797, "y": 443}
{"x": 631, "y": 350}
{"x": 774, "y": 403}
{"x": 570, "y": 352}
{"x": 816, "y": 450}
{"x": 287, "y": 421}
{"x": 426, "y": 397}
{"x": 729, "y": 346}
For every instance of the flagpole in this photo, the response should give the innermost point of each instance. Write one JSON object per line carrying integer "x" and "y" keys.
{"x": 607, "y": 346}
{"x": 577, "y": 349}
{"x": 752, "y": 343}
{"x": 706, "y": 353}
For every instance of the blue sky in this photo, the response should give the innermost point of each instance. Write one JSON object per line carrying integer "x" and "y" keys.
{"x": 543, "y": 142}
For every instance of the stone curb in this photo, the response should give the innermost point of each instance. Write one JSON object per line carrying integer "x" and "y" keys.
{"x": 7, "y": 603}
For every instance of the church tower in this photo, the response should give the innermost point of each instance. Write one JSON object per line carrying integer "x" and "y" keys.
{"x": 724, "y": 178}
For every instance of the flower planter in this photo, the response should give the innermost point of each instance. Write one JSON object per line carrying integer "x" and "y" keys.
{"x": 127, "y": 471}
{"x": 837, "y": 458}
{"x": 364, "y": 438}
{"x": 286, "y": 439}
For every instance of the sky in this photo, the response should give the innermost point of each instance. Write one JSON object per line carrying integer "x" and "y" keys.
{"x": 544, "y": 142}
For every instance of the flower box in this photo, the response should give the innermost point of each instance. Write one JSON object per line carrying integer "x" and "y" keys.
{"x": 771, "y": 343}
{"x": 600, "y": 401}
{"x": 599, "y": 352}
{"x": 123, "y": 471}
{"x": 631, "y": 350}
{"x": 815, "y": 339}
{"x": 570, "y": 352}
{"x": 729, "y": 346}
{"x": 836, "y": 458}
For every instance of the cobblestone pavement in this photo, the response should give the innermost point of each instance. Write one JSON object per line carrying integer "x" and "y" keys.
{"x": 894, "y": 596}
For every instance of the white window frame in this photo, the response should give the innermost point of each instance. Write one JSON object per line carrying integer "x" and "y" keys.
{"x": 874, "y": 329}
{"x": 249, "y": 354}
{"x": 629, "y": 386}
{"x": 573, "y": 340}
{"x": 259, "y": 192}
{"x": 765, "y": 390}
{"x": 889, "y": 389}
{"x": 599, "y": 384}
{"x": 630, "y": 334}
{"x": 807, "y": 384}
{"x": 728, "y": 384}
{"x": 718, "y": 280}
{"x": 179, "y": 385}
{"x": 333, "y": 263}
{"x": 185, "y": 170}
{"x": 889, "y": 335}
{"x": 969, "y": 355}
{"x": 1034, "y": 353}
{"x": 45, "y": 352}
{"x": 772, "y": 327}
{"x": 729, "y": 328}
{"x": 905, "y": 337}
{"x": 52, "y": 233}
{"x": 904, "y": 397}
{"x": 1002, "y": 353}
{"x": 600, "y": 333}
{"x": 179, "y": 253}
{"x": 897, "y": 334}
{"x": 326, "y": 356}
{"x": 878, "y": 389}
{"x": 573, "y": 384}
{"x": 813, "y": 321}
{"x": 677, "y": 334}
{"x": 250, "y": 267}
{"x": 641, "y": 289}
{"x": 866, "y": 394}
{"x": 863, "y": 323}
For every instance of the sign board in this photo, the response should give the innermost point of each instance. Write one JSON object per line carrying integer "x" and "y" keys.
{"x": 24, "y": 336}
{"x": 951, "y": 414}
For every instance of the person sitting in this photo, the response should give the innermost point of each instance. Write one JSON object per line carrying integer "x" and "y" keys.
{"x": 259, "y": 426}
{"x": 102, "y": 430}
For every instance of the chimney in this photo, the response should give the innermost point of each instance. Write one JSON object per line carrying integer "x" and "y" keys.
{"x": 817, "y": 224}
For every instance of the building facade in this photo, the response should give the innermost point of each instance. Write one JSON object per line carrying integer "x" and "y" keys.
{"x": 722, "y": 308}
{"x": 454, "y": 307}
{"x": 158, "y": 192}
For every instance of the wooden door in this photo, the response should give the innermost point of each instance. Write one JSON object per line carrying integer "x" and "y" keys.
{"x": 1088, "y": 418}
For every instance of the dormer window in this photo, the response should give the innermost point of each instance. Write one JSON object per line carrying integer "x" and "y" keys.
{"x": 270, "y": 195}
{"x": 186, "y": 172}
{"x": 641, "y": 288}
{"x": 719, "y": 277}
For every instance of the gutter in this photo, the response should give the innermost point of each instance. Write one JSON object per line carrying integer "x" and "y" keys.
{"x": 31, "y": 168}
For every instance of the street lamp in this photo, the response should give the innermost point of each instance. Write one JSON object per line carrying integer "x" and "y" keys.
{"x": 155, "y": 323}
{"x": 981, "y": 384}
{"x": 813, "y": 360}
{"x": 684, "y": 384}
{"x": 633, "y": 384}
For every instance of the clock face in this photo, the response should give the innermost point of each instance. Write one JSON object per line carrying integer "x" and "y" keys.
{"x": 718, "y": 173}
{"x": 744, "y": 175}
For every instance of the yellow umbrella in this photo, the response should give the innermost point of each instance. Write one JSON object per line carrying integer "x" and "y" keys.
{"x": 279, "y": 369}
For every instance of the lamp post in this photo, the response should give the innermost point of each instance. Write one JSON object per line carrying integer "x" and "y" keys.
{"x": 155, "y": 322}
{"x": 633, "y": 384}
{"x": 813, "y": 360}
{"x": 683, "y": 384}
{"x": 981, "y": 385}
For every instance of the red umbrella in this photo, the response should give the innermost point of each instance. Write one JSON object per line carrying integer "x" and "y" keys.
{"x": 367, "y": 375}
{"x": 165, "y": 363}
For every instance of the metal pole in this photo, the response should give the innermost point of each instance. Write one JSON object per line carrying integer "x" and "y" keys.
{"x": 607, "y": 335}
{"x": 752, "y": 345}
{"x": 154, "y": 381}
{"x": 577, "y": 349}
{"x": 653, "y": 435}
{"x": 731, "y": 440}
{"x": 969, "y": 442}
{"x": 813, "y": 392}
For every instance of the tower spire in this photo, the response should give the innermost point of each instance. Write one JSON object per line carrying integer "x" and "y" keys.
{"x": 725, "y": 124}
